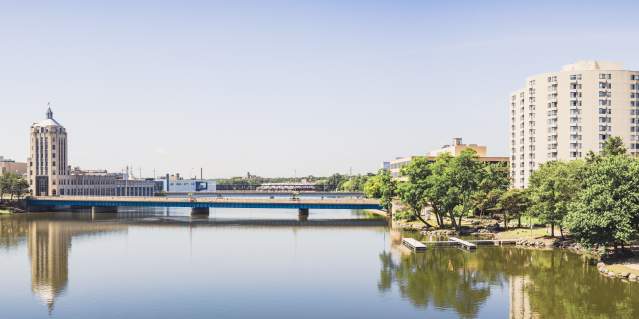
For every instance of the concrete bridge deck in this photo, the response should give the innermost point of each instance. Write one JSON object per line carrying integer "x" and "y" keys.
{"x": 202, "y": 204}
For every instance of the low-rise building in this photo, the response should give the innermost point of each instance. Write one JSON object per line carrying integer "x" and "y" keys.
{"x": 189, "y": 185}
{"x": 11, "y": 166}
{"x": 103, "y": 183}
{"x": 453, "y": 149}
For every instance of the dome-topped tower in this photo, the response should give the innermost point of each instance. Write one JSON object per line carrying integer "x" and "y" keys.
{"x": 47, "y": 156}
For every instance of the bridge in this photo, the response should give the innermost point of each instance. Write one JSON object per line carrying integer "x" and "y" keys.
{"x": 200, "y": 205}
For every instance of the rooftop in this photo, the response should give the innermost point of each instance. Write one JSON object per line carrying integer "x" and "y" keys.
{"x": 588, "y": 65}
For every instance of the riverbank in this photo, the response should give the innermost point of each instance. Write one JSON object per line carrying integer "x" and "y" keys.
{"x": 537, "y": 238}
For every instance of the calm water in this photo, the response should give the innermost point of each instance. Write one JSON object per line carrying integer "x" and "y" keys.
{"x": 149, "y": 265}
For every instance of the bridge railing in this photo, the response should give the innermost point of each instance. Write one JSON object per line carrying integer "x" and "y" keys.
{"x": 364, "y": 201}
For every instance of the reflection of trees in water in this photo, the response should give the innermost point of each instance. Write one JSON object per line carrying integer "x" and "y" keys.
{"x": 439, "y": 278}
{"x": 12, "y": 231}
{"x": 542, "y": 284}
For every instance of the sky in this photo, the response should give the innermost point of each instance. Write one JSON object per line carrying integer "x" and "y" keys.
{"x": 285, "y": 88}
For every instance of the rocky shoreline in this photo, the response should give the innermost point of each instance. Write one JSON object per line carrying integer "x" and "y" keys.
{"x": 602, "y": 267}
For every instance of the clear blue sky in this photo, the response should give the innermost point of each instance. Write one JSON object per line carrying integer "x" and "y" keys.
{"x": 278, "y": 87}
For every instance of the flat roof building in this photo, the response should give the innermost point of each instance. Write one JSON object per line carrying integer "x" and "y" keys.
{"x": 454, "y": 149}
{"x": 563, "y": 115}
{"x": 11, "y": 166}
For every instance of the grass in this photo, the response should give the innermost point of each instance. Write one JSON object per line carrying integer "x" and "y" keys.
{"x": 525, "y": 233}
{"x": 621, "y": 268}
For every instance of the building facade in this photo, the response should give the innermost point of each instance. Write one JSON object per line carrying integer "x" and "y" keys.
{"x": 50, "y": 175}
{"x": 11, "y": 166}
{"x": 47, "y": 156}
{"x": 453, "y": 149}
{"x": 563, "y": 115}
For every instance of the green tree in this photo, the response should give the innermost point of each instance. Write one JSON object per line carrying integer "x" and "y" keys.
{"x": 613, "y": 146}
{"x": 413, "y": 191}
{"x": 19, "y": 187}
{"x": 334, "y": 181}
{"x": 552, "y": 188}
{"x": 513, "y": 204}
{"x": 495, "y": 181}
{"x": 606, "y": 210}
{"x": 465, "y": 175}
{"x": 382, "y": 186}
{"x": 439, "y": 185}
{"x": 5, "y": 185}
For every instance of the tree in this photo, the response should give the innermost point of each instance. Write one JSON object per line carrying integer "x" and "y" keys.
{"x": 13, "y": 184}
{"x": 19, "y": 187}
{"x": 512, "y": 204}
{"x": 495, "y": 181}
{"x": 552, "y": 188}
{"x": 334, "y": 181}
{"x": 5, "y": 185}
{"x": 382, "y": 186}
{"x": 439, "y": 185}
{"x": 606, "y": 210}
{"x": 413, "y": 191}
{"x": 613, "y": 146}
{"x": 465, "y": 175}
{"x": 354, "y": 184}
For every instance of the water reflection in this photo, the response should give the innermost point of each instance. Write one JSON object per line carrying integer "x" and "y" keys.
{"x": 210, "y": 267}
{"x": 541, "y": 284}
{"x": 48, "y": 244}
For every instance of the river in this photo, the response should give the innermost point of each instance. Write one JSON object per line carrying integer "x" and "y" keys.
{"x": 264, "y": 263}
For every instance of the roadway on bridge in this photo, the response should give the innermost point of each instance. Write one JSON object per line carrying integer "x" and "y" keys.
{"x": 204, "y": 202}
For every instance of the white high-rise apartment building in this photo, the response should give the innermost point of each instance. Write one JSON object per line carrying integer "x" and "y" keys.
{"x": 563, "y": 115}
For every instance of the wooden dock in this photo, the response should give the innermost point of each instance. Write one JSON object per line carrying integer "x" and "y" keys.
{"x": 463, "y": 243}
{"x": 413, "y": 244}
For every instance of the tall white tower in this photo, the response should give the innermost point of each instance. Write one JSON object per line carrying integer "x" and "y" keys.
{"x": 47, "y": 156}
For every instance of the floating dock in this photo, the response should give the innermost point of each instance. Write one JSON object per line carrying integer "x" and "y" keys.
{"x": 467, "y": 244}
{"x": 413, "y": 244}
{"x": 464, "y": 244}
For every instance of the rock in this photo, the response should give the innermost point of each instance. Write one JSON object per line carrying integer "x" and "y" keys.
{"x": 632, "y": 277}
{"x": 611, "y": 274}
{"x": 600, "y": 264}
{"x": 624, "y": 274}
{"x": 603, "y": 270}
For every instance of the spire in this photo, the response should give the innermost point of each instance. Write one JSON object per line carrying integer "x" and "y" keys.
{"x": 49, "y": 112}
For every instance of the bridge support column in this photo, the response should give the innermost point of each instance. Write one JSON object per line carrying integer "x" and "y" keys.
{"x": 104, "y": 209}
{"x": 200, "y": 211}
{"x": 303, "y": 214}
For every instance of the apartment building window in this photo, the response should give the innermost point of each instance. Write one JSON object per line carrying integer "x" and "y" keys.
{"x": 604, "y": 76}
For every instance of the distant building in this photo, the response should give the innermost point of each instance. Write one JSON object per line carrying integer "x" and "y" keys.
{"x": 178, "y": 185}
{"x": 385, "y": 166}
{"x": 454, "y": 149}
{"x": 11, "y": 166}
{"x": 287, "y": 187}
{"x": 564, "y": 115}
{"x": 50, "y": 175}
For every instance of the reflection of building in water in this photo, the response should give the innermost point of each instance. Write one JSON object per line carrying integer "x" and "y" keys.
{"x": 519, "y": 299}
{"x": 49, "y": 244}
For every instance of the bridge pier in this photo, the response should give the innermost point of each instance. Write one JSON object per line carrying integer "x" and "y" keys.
{"x": 302, "y": 214}
{"x": 200, "y": 211}
{"x": 104, "y": 209}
